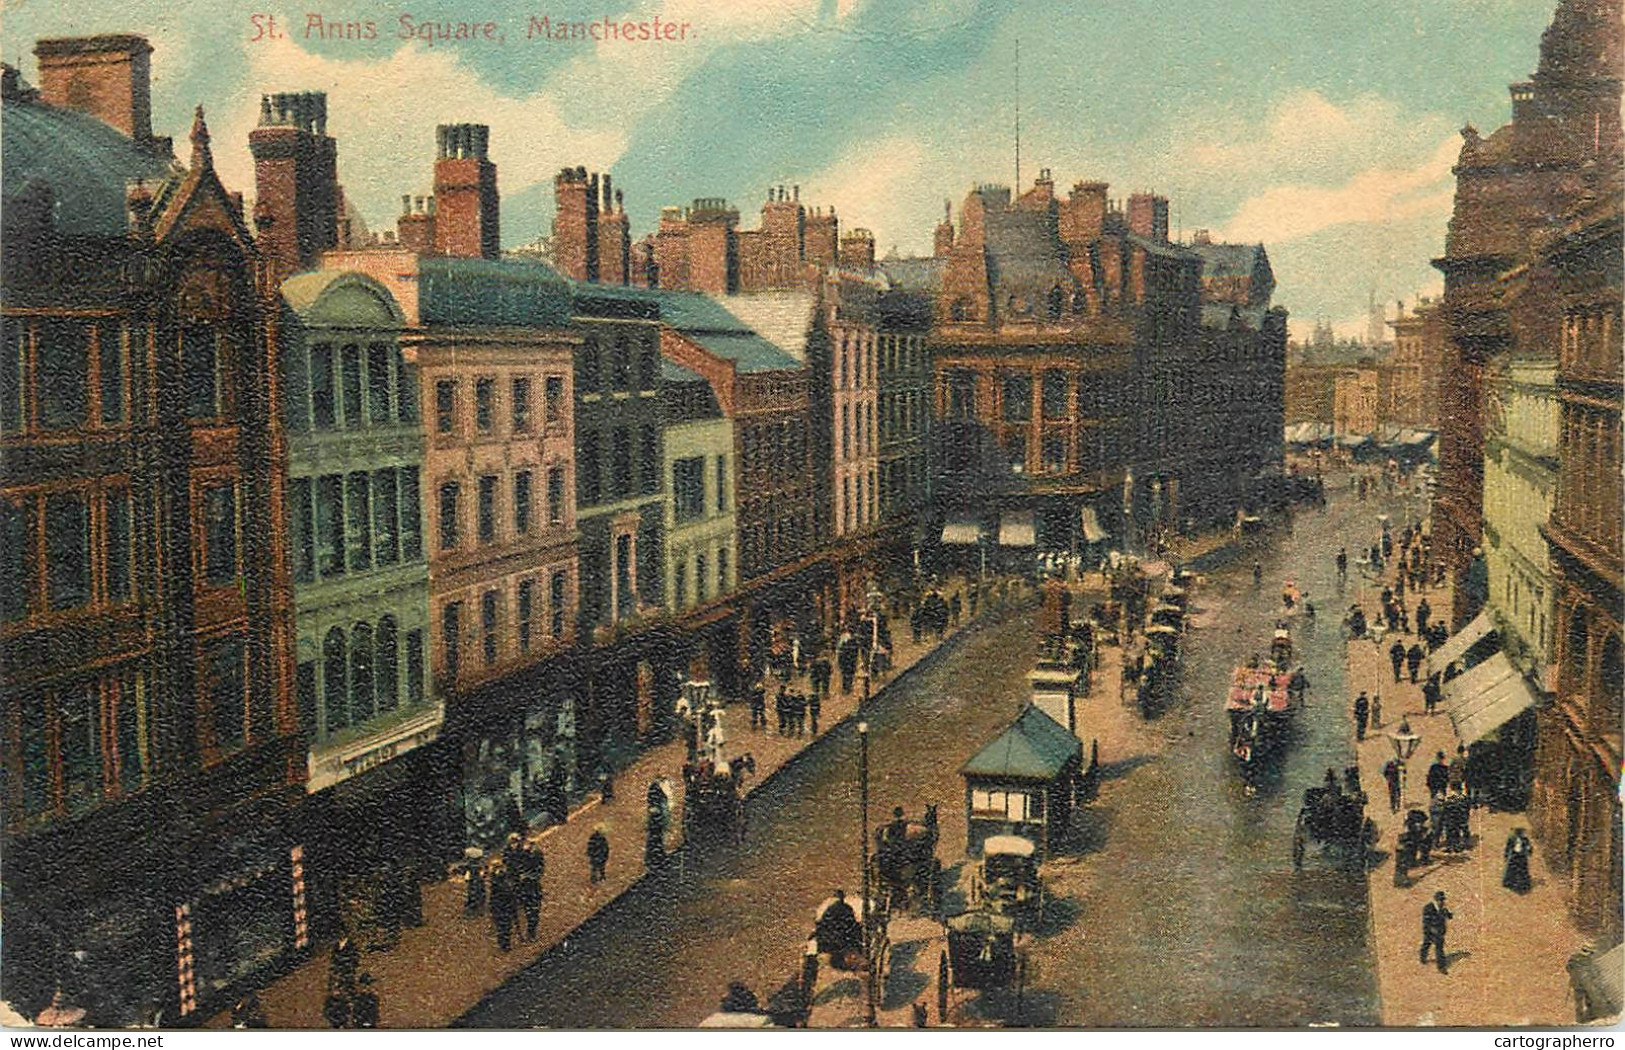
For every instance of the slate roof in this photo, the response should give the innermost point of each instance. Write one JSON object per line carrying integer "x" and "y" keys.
{"x": 88, "y": 166}
{"x": 782, "y": 318}
{"x": 1227, "y": 260}
{"x": 708, "y": 321}
{"x": 520, "y": 293}
{"x": 672, "y": 372}
{"x": 1035, "y": 747}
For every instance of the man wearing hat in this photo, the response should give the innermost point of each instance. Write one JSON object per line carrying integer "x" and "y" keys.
{"x": 1435, "y": 920}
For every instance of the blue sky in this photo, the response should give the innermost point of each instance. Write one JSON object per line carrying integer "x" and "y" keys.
{"x": 1324, "y": 128}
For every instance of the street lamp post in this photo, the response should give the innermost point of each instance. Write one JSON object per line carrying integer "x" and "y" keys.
{"x": 1404, "y": 742}
{"x": 868, "y": 932}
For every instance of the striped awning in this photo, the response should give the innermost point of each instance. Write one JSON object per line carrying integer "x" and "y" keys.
{"x": 1456, "y": 646}
{"x": 1484, "y": 699}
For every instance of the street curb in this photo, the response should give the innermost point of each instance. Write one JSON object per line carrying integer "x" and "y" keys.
{"x": 673, "y": 869}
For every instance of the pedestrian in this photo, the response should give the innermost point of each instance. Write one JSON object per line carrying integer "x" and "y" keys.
{"x": 342, "y": 967}
{"x": 364, "y": 1007}
{"x": 597, "y": 854}
{"x": 1431, "y": 692}
{"x": 1258, "y": 575}
{"x": 1396, "y": 654}
{"x": 1518, "y": 851}
{"x": 955, "y": 605}
{"x": 1438, "y": 776}
{"x": 1455, "y": 821}
{"x": 1390, "y": 773}
{"x": 798, "y": 713}
{"x": 1413, "y": 660}
{"x": 781, "y": 709}
{"x": 1435, "y": 921}
{"x": 1376, "y": 710}
{"x": 1342, "y": 563}
{"x": 1424, "y": 612}
{"x": 504, "y": 906}
{"x": 1458, "y": 769}
{"x": 814, "y": 704}
{"x": 474, "y": 899}
{"x": 528, "y": 887}
{"x": 1362, "y": 712}
{"x": 821, "y": 674}
{"x": 846, "y": 654}
{"x": 758, "y": 705}
{"x": 1473, "y": 775}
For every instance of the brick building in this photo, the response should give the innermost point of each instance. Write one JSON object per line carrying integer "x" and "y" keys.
{"x": 1416, "y": 365}
{"x": 147, "y": 640}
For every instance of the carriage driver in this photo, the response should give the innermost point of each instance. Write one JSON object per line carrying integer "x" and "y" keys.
{"x": 838, "y": 931}
{"x": 897, "y": 830}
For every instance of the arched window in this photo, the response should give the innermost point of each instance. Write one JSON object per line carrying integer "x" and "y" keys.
{"x": 334, "y": 694}
{"x": 387, "y": 665}
{"x": 361, "y": 700}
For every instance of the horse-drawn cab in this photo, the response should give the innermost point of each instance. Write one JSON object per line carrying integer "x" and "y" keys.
{"x": 713, "y": 800}
{"x": 1281, "y": 646}
{"x": 1008, "y": 882}
{"x": 983, "y": 953}
{"x": 1334, "y": 820}
{"x": 906, "y": 868}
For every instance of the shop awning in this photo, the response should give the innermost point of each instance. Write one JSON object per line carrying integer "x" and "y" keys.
{"x": 1016, "y": 529}
{"x": 1092, "y": 532}
{"x": 1601, "y": 978}
{"x": 1484, "y": 699}
{"x": 962, "y": 531}
{"x": 1456, "y": 646}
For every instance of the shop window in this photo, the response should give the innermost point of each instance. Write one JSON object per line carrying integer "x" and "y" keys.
{"x": 1018, "y": 398}
{"x": 380, "y": 359}
{"x": 386, "y": 665}
{"x": 62, "y": 363}
{"x": 361, "y": 685}
{"x": 414, "y": 667}
{"x": 330, "y": 525}
{"x": 385, "y": 507}
{"x": 485, "y": 396}
{"x": 20, "y": 564}
{"x": 77, "y": 722}
{"x": 111, "y": 366}
{"x": 67, "y": 550}
{"x": 117, "y": 542}
{"x": 449, "y": 493}
{"x": 1055, "y": 453}
{"x": 520, "y": 396}
{"x": 1055, "y": 394}
{"x": 522, "y": 503}
{"x": 335, "y": 672}
{"x": 302, "y": 529}
{"x": 487, "y": 511}
{"x": 358, "y": 512}
{"x": 411, "y": 515}
{"x": 1015, "y": 451}
{"x": 445, "y": 406}
{"x": 350, "y": 360}
{"x": 323, "y": 400}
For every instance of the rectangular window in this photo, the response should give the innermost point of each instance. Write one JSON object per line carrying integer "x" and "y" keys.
{"x": 702, "y": 580}
{"x": 351, "y": 359}
{"x": 411, "y": 515}
{"x": 21, "y": 566}
{"x": 622, "y": 469}
{"x": 445, "y": 406}
{"x": 330, "y": 525}
{"x": 521, "y": 503}
{"x": 555, "y": 603}
{"x": 681, "y": 581}
{"x": 589, "y": 472}
{"x": 621, "y": 365}
{"x": 554, "y": 398}
{"x": 67, "y": 550}
{"x": 648, "y": 367}
{"x": 1055, "y": 390}
{"x": 62, "y": 374}
{"x": 359, "y": 523}
{"x": 488, "y": 508}
{"x": 323, "y": 402}
{"x": 1055, "y": 453}
{"x": 111, "y": 362}
{"x": 521, "y": 406}
{"x": 116, "y": 538}
{"x": 722, "y": 484}
{"x": 527, "y": 590}
{"x": 485, "y": 396}
{"x": 1018, "y": 398}
{"x": 406, "y": 390}
{"x": 488, "y": 626}
{"x": 451, "y": 641}
{"x": 555, "y": 496}
{"x": 302, "y": 528}
{"x": 722, "y": 570}
{"x": 414, "y": 666}
{"x": 385, "y": 505}
{"x": 589, "y": 378}
{"x": 688, "y": 488}
{"x": 379, "y": 381}
{"x": 220, "y": 535}
{"x": 648, "y": 460}
{"x": 128, "y": 694}
{"x": 78, "y": 718}
{"x": 13, "y": 354}
{"x": 448, "y": 515}
{"x": 226, "y": 695}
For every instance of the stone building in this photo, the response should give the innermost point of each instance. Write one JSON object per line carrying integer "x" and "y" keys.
{"x": 1415, "y": 366}
{"x": 701, "y": 563}
{"x": 147, "y": 641}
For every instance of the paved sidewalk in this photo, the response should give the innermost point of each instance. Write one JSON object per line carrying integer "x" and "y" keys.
{"x": 443, "y": 968}
{"x": 1507, "y": 951}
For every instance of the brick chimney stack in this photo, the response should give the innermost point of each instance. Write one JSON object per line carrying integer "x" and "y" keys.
{"x": 465, "y": 193}
{"x": 614, "y": 238}
{"x": 415, "y": 228}
{"x": 575, "y": 224}
{"x": 713, "y": 247}
{"x": 109, "y": 77}
{"x": 1148, "y": 216}
{"x": 1083, "y": 216}
{"x": 295, "y": 180}
{"x": 823, "y": 238}
{"x": 858, "y": 250}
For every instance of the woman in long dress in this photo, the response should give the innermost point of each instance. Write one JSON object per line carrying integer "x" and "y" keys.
{"x": 1518, "y": 850}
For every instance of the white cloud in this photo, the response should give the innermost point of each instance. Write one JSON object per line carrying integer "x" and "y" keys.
{"x": 1374, "y": 195}
{"x": 880, "y": 186}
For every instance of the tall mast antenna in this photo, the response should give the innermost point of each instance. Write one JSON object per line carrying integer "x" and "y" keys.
{"x": 1018, "y": 117}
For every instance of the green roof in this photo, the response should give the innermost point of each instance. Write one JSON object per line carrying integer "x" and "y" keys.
{"x": 86, "y": 164}
{"x": 1035, "y": 747}
{"x": 517, "y": 293}
{"x": 706, "y": 320}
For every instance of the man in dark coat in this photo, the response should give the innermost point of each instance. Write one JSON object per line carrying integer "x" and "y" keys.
{"x": 527, "y": 872}
{"x": 1435, "y": 921}
{"x": 1396, "y": 656}
{"x": 1413, "y": 661}
{"x": 504, "y": 905}
{"x": 814, "y": 705}
{"x": 1390, "y": 773}
{"x": 847, "y": 657}
{"x": 1431, "y": 692}
{"x": 1518, "y": 851}
{"x": 1362, "y": 711}
{"x": 597, "y": 854}
{"x": 1424, "y": 612}
{"x": 1438, "y": 776}
{"x": 781, "y": 709}
{"x": 758, "y": 705}
{"x": 821, "y": 674}
{"x": 364, "y": 1007}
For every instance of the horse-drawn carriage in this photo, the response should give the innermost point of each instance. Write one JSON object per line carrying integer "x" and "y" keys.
{"x": 1281, "y": 646}
{"x": 984, "y": 952}
{"x": 1259, "y": 706}
{"x": 714, "y": 801}
{"x": 1007, "y": 882}
{"x": 1335, "y": 821}
{"x": 905, "y": 866}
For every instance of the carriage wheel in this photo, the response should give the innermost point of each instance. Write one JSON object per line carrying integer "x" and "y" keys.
{"x": 1298, "y": 844}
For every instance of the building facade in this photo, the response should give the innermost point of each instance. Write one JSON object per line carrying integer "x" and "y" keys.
{"x": 146, "y": 651}
{"x": 701, "y": 561}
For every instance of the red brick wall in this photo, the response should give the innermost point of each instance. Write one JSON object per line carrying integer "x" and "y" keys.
{"x": 465, "y": 193}
{"x": 108, "y": 77}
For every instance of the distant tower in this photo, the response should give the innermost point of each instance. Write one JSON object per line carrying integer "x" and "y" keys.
{"x": 1375, "y": 329}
